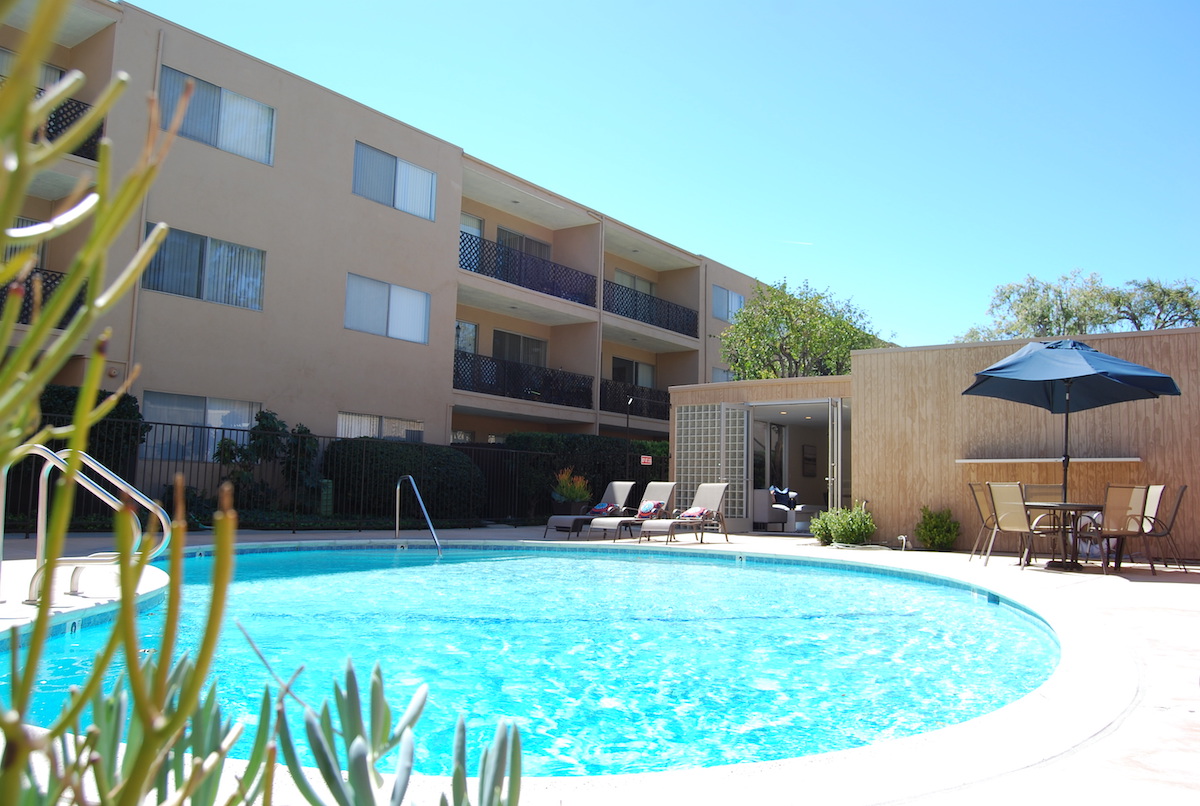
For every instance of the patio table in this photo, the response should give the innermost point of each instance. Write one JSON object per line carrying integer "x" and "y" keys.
{"x": 1068, "y": 529}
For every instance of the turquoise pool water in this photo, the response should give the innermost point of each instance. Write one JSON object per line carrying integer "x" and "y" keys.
{"x": 617, "y": 663}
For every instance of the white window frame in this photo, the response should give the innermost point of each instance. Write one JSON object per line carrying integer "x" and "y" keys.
{"x": 219, "y": 117}
{"x": 387, "y": 179}
{"x": 512, "y": 239}
{"x": 351, "y": 425}
{"x": 202, "y": 414}
{"x": 12, "y": 250}
{"x": 466, "y": 334}
{"x": 384, "y": 309}
{"x": 643, "y": 373}
{"x": 217, "y": 271}
{"x": 531, "y": 350}
{"x": 726, "y": 303}
{"x": 636, "y": 282}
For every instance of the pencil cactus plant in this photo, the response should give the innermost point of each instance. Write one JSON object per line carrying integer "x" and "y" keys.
{"x": 159, "y": 736}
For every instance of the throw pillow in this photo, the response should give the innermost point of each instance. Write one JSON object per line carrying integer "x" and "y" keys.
{"x": 602, "y": 509}
{"x": 694, "y": 512}
{"x": 650, "y": 509}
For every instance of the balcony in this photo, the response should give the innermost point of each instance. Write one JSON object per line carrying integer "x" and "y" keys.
{"x": 63, "y": 117}
{"x": 528, "y": 271}
{"x": 642, "y": 307}
{"x": 494, "y": 376}
{"x": 647, "y": 402}
{"x": 50, "y": 280}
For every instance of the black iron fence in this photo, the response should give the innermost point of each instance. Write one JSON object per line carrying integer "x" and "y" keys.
{"x": 494, "y": 376}
{"x": 528, "y": 271}
{"x": 63, "y": 117}
{"x": 638, "y": 401}
{"x": 49, "y": 282}
{"x": 627, "y": 302}
{"x": 295, "y": 481}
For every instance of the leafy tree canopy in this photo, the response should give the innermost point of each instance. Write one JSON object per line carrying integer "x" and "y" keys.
{"x": 1078, "y": 304}
{"x": 791, "y": 334}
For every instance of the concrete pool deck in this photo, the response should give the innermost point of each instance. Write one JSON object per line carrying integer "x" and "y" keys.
{"x": 1119, "y": 719}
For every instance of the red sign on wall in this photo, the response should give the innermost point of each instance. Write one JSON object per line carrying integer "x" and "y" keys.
{"x": 647, "y": 460}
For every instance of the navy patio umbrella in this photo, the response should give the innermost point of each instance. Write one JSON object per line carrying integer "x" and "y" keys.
{"x": 1065, "y": 376}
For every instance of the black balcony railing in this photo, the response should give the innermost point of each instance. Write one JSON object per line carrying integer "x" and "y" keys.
{"x": 50, "y": 282}
{"x": 528, "y": 271}
{"x": 647, "y": 402}
{"x": 624, "y": 301}
{"x": 493, "y": 376}
{"x": 63, "y": 117}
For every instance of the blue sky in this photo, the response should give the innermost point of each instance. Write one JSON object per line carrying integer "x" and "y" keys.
{"x": 909, "y": 155}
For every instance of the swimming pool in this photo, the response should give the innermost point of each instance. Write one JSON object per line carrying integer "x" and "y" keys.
{"x": 616, "y": 662}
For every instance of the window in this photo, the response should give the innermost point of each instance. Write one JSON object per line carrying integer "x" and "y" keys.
{"x": 633, "y": 281}
{"x": 383, "y": 178}
{"x": 388, "y": 310}
{"x": 12, "y": 250}
{"x": 220, "y": 118}
{"x": 48, "y": 77}
{"x": 470, "y": 224}
{"x": 720, "y": 375}
{"x": 206, "y": 268}
{"x": 726, "y": 303}
{"x": 350, "y": 425}
{"x": 466, "y": 337}
{"x": 191, "y": 425}
{"x": 632, "y": 372}
{"x": 522, "y": 243}
{"x": 518, "y": 348}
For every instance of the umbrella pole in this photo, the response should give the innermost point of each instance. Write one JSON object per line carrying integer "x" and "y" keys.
{"x": 1066, "y": 440}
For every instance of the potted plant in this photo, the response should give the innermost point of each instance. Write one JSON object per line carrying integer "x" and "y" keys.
{"x": 569, "y": 492}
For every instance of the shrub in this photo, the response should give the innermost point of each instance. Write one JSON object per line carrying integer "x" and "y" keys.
{"x": 451, "y": 485}
{"x": 853, "y": 526}
{"x": 937, "y": 530}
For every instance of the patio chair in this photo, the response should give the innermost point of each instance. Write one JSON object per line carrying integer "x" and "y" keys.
{"x": 1122, "y": 518}
{"x": 616, "y": 495}
{"x": 1048, "y": 522}
{"x": 656, "y": 500}
{"x": 704, "y": 513}
{"x": 987, "y": 517}
{"x": 1008, "y": 503}
{"x": 1158, "y": 523}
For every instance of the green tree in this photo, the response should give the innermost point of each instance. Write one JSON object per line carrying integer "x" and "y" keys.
{"x": 1038, "y": 309}
{"x": 1153, "y": 305}
{"x": 791, "y": 334}
{"x": 1078, "y": 304}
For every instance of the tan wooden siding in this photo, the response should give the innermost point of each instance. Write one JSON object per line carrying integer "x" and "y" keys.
{"x": 912, "y": 424}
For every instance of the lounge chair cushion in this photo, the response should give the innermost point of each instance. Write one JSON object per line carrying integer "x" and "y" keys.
{"x": 603, "y": 509}
{"x": 694, "y": 512}
{"x": 650, "y": 509}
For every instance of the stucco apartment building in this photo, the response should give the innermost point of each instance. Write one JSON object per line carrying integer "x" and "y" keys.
{"x": 354, "y": 274}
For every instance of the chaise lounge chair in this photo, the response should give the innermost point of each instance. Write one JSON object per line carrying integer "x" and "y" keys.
{"x": 615, "y": 497}
{"x": 656, "y": 500}
{"x": 703, "y": 514}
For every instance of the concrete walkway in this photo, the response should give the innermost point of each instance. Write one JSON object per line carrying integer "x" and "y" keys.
{"x": 1117, "y": 722}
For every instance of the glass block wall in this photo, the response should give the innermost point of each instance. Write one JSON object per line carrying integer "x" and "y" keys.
{"x": 711, "y": 444}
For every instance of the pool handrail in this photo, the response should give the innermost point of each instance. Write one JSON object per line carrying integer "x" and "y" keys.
{"x": 58, "y": 460}
{"x": 425, "y": 512}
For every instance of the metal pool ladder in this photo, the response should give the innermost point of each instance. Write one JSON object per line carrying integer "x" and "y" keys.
{"x": 59, "y": 460}
{"x": 424, "y": 511}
